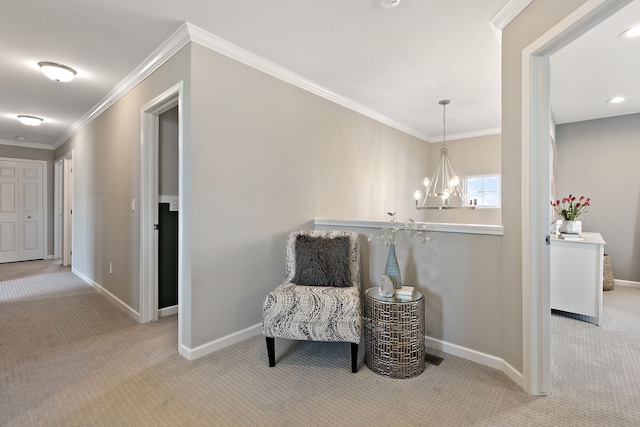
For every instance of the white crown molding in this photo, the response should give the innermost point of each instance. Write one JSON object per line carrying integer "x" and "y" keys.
{"x": 26, "y": 144}
{"x": 164, "y": 52}
{"x": 471, "y": 134}
{"x": 190, "y": 33}
{"x": 507, "y": 14}
{"x": 250, "y": 59}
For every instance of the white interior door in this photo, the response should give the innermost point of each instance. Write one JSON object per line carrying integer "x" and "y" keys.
{"x": 9, "y": 223}
{"x": 31, "y": 211}
{"x": 21, "y": 211}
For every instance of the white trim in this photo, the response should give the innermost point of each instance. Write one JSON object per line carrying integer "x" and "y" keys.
{"x": 111, "y": 297}
{"x": 26, "y": 144}
{"x": 252, "y": 60}
{"x": 45, "y": 219}
{"x": 168, "y": 311}
{"x": 464, "y": 135}
{"x": 535, "y": 134}
{"x": 220, "y": 343}
{"x": 67, "y": 207}
{"x": 536, "y": 305}
{"x": 148, "y": 214}
{"x": 507, "y": 14}
{"x": 627, "y": 283}
{"x": 492, "y": 230}
{"x": 475, "y": 356}
{"x": 190, "y": 33}
{"x": 162, "y": 54}
{"x": 57, "y": 208}
{"x": 167, "y": 199}
{"x": 149, "y": 195}
{"x": 173, "y": 201}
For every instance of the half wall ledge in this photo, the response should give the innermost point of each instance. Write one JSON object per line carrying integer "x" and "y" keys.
{"x": 493, "y": 230}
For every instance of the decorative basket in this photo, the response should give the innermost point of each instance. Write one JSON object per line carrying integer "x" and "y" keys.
{"x": 609, "y": 282}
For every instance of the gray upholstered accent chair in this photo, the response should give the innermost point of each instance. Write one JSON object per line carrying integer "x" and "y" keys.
{"x": 320, "y": 297}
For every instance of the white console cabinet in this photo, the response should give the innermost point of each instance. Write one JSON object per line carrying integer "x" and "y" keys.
{"x": 576, "y": 275}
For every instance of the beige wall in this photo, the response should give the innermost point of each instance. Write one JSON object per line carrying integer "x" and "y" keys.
{"x": 459, "y": 277}
{"x": 268, "y": 158}
{"x": 107, "y": 178}
{"x": 16, "y": 152}
{"x": 470, "y": 156}
{"x": 264, "y": 158}
{"x": 599, "y": 159}
{"x": 532, "y": 23}
{"x": 168, "y": 153}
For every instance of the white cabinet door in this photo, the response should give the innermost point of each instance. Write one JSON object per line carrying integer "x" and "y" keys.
{"x": 21, "y": 211}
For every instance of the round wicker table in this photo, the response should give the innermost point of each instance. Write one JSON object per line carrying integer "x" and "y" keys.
{"x": 394, "y": 334}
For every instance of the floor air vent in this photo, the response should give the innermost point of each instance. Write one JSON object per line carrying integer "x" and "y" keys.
{"x": 433, "y": 360}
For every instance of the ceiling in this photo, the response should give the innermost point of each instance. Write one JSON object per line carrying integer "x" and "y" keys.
{"x": 596, "y": 67}
{"x": 397, "y": 62}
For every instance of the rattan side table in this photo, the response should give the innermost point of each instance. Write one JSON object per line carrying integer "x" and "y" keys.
{"x": 394, "y": 334}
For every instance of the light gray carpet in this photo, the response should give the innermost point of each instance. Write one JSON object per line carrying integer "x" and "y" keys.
{"x": 68, "y": 357}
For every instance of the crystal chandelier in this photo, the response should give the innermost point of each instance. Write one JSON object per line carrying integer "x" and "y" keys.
{"x": 444, "y": 190}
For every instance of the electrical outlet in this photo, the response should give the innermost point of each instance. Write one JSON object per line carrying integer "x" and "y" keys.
{"x": 110, "y": 268}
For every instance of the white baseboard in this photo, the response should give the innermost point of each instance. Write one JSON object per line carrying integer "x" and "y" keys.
{"x": 215, "y": 345}
{"x": 111, "y": 297}
{"x": 627, "y": 283}
{"x": 478, "y": 357}
{"x": 220, "y": 343}
{"x": 168, "y": 311}
{"x": 456, "y": 350}
{"x": 48, "y": 257}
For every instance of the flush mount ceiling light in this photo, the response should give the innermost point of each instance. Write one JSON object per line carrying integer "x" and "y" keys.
{"x": 631, "y": 32}
{"x": 389, "y": 3}
{"x": 30, "y": 120}
{"x": 57, "y": 72}
{"x": 615, "y": 100}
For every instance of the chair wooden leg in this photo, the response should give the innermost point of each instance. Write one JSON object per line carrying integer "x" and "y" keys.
{"x": 271, "y": 351}
{"x": 354, "y": 357}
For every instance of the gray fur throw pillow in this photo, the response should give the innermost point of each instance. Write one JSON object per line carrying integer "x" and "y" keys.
{"x": 322, "y": 261}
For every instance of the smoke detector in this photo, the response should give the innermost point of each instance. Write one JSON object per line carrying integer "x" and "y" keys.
{"x": 389, "y": 3}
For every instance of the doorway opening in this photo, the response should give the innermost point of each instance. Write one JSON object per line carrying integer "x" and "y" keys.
{"x": 63, "y": 210}
{"x": 153, "y": 183}
{"x": 535, "y": 187}
{"x": 168, "y": 213}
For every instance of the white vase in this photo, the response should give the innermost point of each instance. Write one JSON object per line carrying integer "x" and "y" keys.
{"x": 570, "y": 227}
